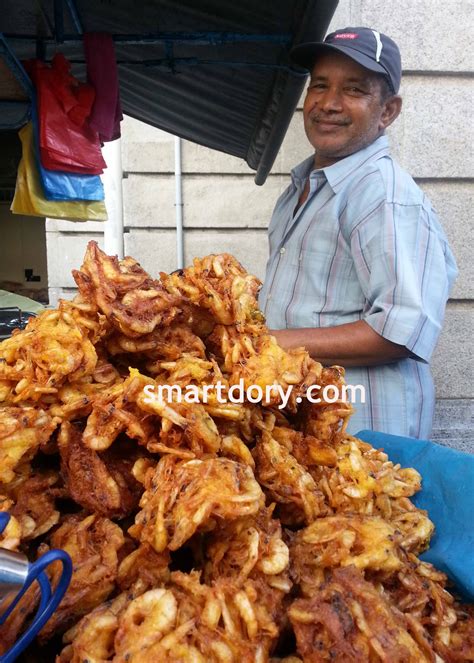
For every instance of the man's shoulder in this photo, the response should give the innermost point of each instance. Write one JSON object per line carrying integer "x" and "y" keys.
{"x": 385, "y": 180}
{"x": 400, "y": 187}
{"x": 380, "y": 182}
{"x": 376, "y": 185}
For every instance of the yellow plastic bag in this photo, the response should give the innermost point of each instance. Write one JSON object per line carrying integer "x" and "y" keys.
{"x": 29, "y": 198}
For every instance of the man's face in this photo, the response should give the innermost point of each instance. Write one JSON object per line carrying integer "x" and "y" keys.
{"x": 343, "y": 110}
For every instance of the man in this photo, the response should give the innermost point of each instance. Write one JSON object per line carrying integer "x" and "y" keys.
{"x": 359, "y": 269}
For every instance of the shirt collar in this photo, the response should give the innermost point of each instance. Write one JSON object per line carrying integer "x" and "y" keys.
{"x": 339, "y": 171}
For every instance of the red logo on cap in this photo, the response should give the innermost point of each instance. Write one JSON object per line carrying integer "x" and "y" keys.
{"x": 346, "y": 35}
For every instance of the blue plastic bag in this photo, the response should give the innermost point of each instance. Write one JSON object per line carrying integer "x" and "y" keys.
{"x": 447, "y": 494}
{"x": 58, "y": 185}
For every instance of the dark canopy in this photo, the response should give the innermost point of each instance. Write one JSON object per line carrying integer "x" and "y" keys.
{"x": 215, "y": 72}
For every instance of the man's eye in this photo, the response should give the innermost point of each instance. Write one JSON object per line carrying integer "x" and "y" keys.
{"x": 316, "y": 86}
{"x": 354, "y": 90}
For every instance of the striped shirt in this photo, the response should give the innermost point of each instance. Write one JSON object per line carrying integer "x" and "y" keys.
{"x": 365, "y": 245}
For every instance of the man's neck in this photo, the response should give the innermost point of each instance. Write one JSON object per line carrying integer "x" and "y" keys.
{"x": 324, "y": 161}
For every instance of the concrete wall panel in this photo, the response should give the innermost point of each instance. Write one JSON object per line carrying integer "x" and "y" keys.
{"x": 453, "y": 367}
{"x": 429, "y": 33}
{"x": 66, "y": 252}
{"x": 454, "y": 202}
{"x": 156, "y": 250}
{"x": 221, "y": 201}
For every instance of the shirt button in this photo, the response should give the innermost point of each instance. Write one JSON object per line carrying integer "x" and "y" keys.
{"x": 282, "y": 250}
{"x": 269, "y": 297}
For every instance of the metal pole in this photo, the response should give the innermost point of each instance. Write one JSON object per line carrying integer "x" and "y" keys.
{"x": 112, "y": 180}
{"x": 178, "y": 203}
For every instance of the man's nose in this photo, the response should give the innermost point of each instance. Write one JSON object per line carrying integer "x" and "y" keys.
{"x": 330, "y": 100}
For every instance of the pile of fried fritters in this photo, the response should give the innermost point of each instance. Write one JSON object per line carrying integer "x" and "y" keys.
{"x": 210, "y": 531}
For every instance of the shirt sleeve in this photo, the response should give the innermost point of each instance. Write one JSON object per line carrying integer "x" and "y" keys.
{"x": 406, "y": 270}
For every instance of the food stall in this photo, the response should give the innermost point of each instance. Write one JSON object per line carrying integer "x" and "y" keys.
{"x": 169, "y": 520}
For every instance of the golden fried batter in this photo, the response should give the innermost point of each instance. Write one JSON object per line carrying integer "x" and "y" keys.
{"x": 366, "y": 542}
{"x": 250, "y": 547}
{"x": 93, "y": 543}
{"x": 36, "y": 361}
{"x": 101, "y": 483}
{"x": 348, "y": 620}
{"x": 181, "y": 621}
{"x": 131, "y": 300}
{"x": 219, "y": 284}
{"x": 204, "y": 483}
{"x": 182, "y": 496}
{"x": 22, "y": 431}
{"x": 326, "y": 421}
{"x": 34, "y": 496}
{"x": 286, "y": 481}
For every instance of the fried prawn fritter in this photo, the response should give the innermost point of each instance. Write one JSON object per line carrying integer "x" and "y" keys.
{"x": 133, "y": 302}
{"x": 181, "y": 621}
{"x": 13, "y": 626}
{"x": 129, "y": 408}
{"x": 75, "y": 400}
{"x": 307, "y": 449}
{"x": 286, "y": 482}
{"x": 250, "y": 547}
{"x": 101, "y": 483}
{"x": 143, "y": 569}
{"x": 348, "y": 620}
{"x": 326, "y": 421}
{"x": 92, "y": 638}
{"x": 11, "y": 535}
{"x": 369, "y": 471}
{"x": 182, "y": 497}
{"x": 220, "y": 285}
{"x": 163, "y": 344}
{"x": 37, "y": 360}
{"x": 418, "y": 590}
{"x": 366, "y": 542}
{"x": 456, "y": 645}
{"x": 199, "y": 429}
{"x": 364, "y": 481}
{"x": 22, "y": 431}
{"x": 271, "y": 365}
{"x": 259, "y": 360}
{"x": 93, "y": 543}
{"x": 34, "y": 502}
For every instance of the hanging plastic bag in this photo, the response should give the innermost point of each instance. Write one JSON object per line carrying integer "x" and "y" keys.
{"x": 66, "y": 141}
{"x": 29, "y": 198}
{"x": 59, "y": 185}
{"x": 106, "y": 113}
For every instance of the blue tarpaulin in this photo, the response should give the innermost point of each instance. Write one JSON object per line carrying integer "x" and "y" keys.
{"x": 447, "y": 494}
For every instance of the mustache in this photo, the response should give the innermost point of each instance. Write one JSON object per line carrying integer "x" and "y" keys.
{"x": 316, "y": 117}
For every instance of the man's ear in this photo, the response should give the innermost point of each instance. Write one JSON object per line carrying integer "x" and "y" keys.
{"x": 391, "y": 110}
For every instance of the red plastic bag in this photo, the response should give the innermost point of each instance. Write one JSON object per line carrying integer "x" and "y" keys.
{"x": 67, "y": 143}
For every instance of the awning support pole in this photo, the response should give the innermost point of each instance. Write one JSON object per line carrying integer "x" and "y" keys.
{"x": 178, "y": 203}
{"x": 112, "y": 180}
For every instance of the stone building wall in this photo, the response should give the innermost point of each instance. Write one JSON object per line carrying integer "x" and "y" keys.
{"x": 225, "y": 211}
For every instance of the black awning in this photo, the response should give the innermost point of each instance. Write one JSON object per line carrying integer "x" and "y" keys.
{"x": 215, "y": 72}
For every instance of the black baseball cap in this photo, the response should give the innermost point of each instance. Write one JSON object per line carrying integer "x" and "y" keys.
{"x": 371, "y": 49}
